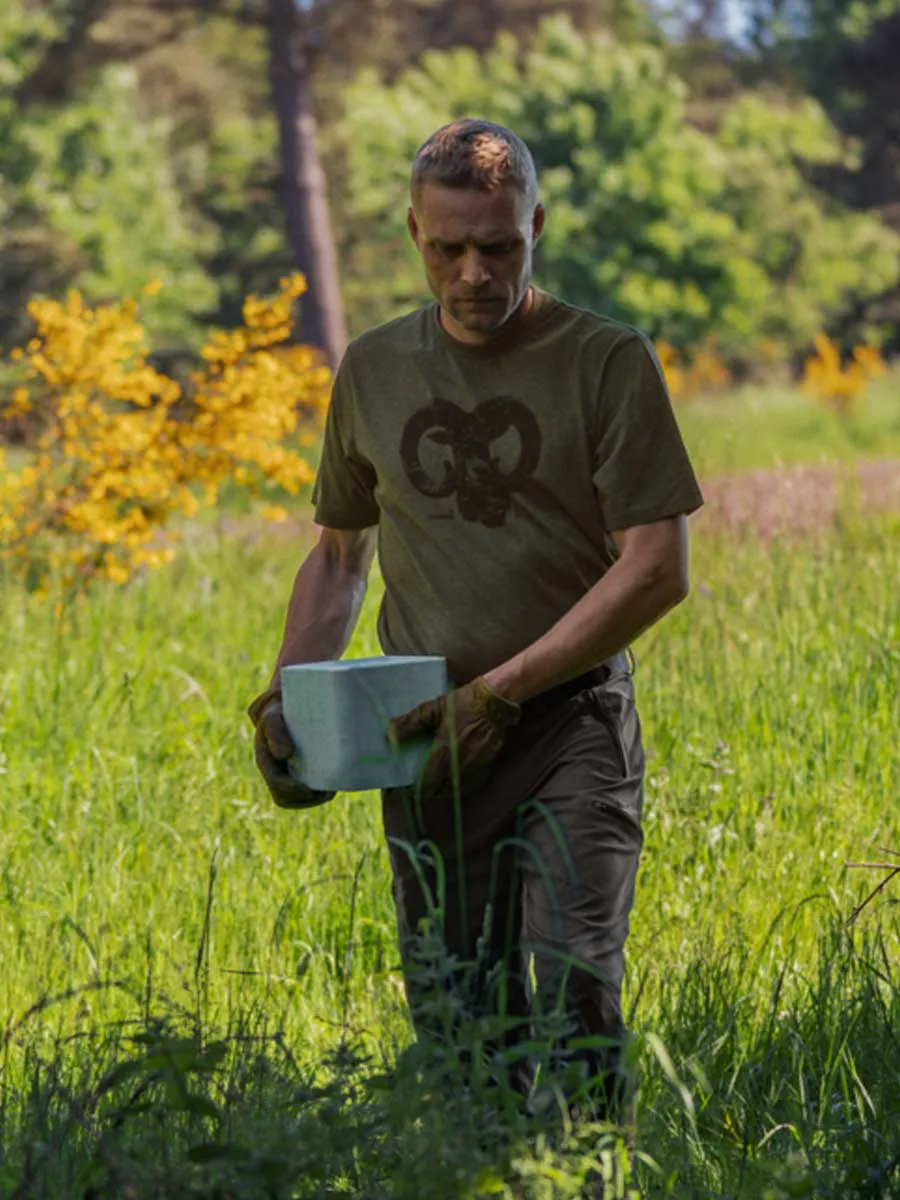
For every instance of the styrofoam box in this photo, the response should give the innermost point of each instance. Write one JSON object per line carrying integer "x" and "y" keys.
{"x": 338, "y": 711}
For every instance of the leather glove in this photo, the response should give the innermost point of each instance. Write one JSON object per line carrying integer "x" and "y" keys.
{"x": 273, "y": 746}
{"x": 473, "y": 718}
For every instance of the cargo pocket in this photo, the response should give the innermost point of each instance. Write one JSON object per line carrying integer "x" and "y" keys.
{"x": 623, "y": 797}
{"x": 607, "y": 718}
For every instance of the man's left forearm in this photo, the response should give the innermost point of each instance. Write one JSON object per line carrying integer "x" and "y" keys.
{"x": 628, "y": 599}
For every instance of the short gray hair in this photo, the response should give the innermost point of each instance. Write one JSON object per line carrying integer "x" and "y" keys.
{"x": 472, "y": 153}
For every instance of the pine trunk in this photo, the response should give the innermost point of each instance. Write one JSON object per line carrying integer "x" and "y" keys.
{"x": 305, "y": 194}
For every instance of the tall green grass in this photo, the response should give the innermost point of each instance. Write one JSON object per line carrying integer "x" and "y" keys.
{"x": 200, "y": 994}
{"x": 764, "y": 427}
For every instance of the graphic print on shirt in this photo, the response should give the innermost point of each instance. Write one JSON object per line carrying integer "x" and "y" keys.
{"x": 476, "y": 472}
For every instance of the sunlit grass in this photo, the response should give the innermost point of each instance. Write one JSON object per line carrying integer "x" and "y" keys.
{"x": 771, "y": 707}
{"x": 755, "y": 427}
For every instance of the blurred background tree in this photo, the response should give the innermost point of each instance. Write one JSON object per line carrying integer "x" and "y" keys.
{"x": 708, "y": 176}
{"x": 90, "y": 187}
{"x": 684, "y": 233}
{"x": 843, "y": 53}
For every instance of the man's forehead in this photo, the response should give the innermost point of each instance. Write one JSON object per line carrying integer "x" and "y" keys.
{"x": 462, "y": 233}
{"x": 462, "y": 214}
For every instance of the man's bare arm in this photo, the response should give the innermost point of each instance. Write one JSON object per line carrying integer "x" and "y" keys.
{"x": 649, "y": 578}
{"x": 326, "y": 598}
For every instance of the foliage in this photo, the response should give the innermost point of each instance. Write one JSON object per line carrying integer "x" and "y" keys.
{"x": 149, "y": 149}
{"x": 682, "y": 233}
{"x": 706, "y": 374}
{"x": 88, "y": 192}
{"x": 122, "y": 449}
{"x": 844, "y": 53}
{"x": 128, "y": 773}
{"x": 850, "y": 19}
{"x": 138, "y": 139}
{"x": 836, "y": 384}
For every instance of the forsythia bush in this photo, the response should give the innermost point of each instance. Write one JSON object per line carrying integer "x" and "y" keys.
{"x": 704, "y": 374}
{"x": 121, "y": 448}
{"x": 825, "y": 376}
{"x": 834, "y": 384}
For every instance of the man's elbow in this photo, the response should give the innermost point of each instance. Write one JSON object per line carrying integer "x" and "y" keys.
{"x": 677, "y": 586}
{"x": 656, "y": 556}
{"x": 669, "y": 583}
{"x": 681, "y": 588}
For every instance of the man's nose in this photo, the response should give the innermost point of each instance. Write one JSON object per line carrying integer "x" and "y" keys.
{"x": 474, "y": 272}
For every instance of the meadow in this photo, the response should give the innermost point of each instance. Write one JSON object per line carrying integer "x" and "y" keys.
{"x": 199, "y": 993}
{"x": 756, "y": 427}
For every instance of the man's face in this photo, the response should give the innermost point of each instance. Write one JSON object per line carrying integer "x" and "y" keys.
{"x": 477, "y": 247}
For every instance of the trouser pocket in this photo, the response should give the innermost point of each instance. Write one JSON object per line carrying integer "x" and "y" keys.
{"x": 611, "y": 722}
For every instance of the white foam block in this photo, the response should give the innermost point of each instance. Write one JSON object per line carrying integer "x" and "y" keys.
{"x": 338, "y": 711}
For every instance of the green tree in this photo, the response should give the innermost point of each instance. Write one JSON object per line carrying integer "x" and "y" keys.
{"x": 849, "y": 62}
{"x": 681, "y": 232}
{"x": 87, "y": 195}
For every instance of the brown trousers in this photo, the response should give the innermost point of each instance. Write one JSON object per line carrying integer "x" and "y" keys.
{"x": 526, "y": 883}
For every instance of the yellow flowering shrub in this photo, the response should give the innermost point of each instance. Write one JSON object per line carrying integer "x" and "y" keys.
{"x": 670, "y": 361}
{"x": 705, "y": 373}
{"x": 835, "y": 384}
{"x": 121, "y": 449}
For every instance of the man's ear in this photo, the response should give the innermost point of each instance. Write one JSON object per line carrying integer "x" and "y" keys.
{"x": 537, "y": 223}
{"x": 413, "y": 226}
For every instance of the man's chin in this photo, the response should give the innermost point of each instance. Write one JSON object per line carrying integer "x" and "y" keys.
{"x": 488, "y": 321}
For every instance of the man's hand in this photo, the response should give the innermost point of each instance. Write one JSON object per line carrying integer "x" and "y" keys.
{"x": 473, "y": 719}
{"x": 273, "y": 747}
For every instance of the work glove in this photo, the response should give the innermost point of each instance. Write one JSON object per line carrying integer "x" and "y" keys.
{"x": 273, "y": 746}
{"x": 472, "y": 721}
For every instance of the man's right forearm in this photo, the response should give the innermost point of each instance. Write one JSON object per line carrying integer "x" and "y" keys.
{"x": 325, "y": 603}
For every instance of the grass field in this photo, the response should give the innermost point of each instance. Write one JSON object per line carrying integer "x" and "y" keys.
{"x": 199, "y": 992}
{"x": 771, "y": 427}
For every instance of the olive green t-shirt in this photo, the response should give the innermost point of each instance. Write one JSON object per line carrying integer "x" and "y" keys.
{"x": 497, "y": 473}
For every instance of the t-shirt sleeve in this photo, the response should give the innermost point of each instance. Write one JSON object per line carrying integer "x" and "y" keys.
{"x": 344, "y": 490}
{"x": 642, "y": 472}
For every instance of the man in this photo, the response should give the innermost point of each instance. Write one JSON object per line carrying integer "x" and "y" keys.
{"x": 521, "y": 467}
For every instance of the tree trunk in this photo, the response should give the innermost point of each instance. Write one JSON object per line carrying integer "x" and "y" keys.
{"x": 305, "y": 194}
